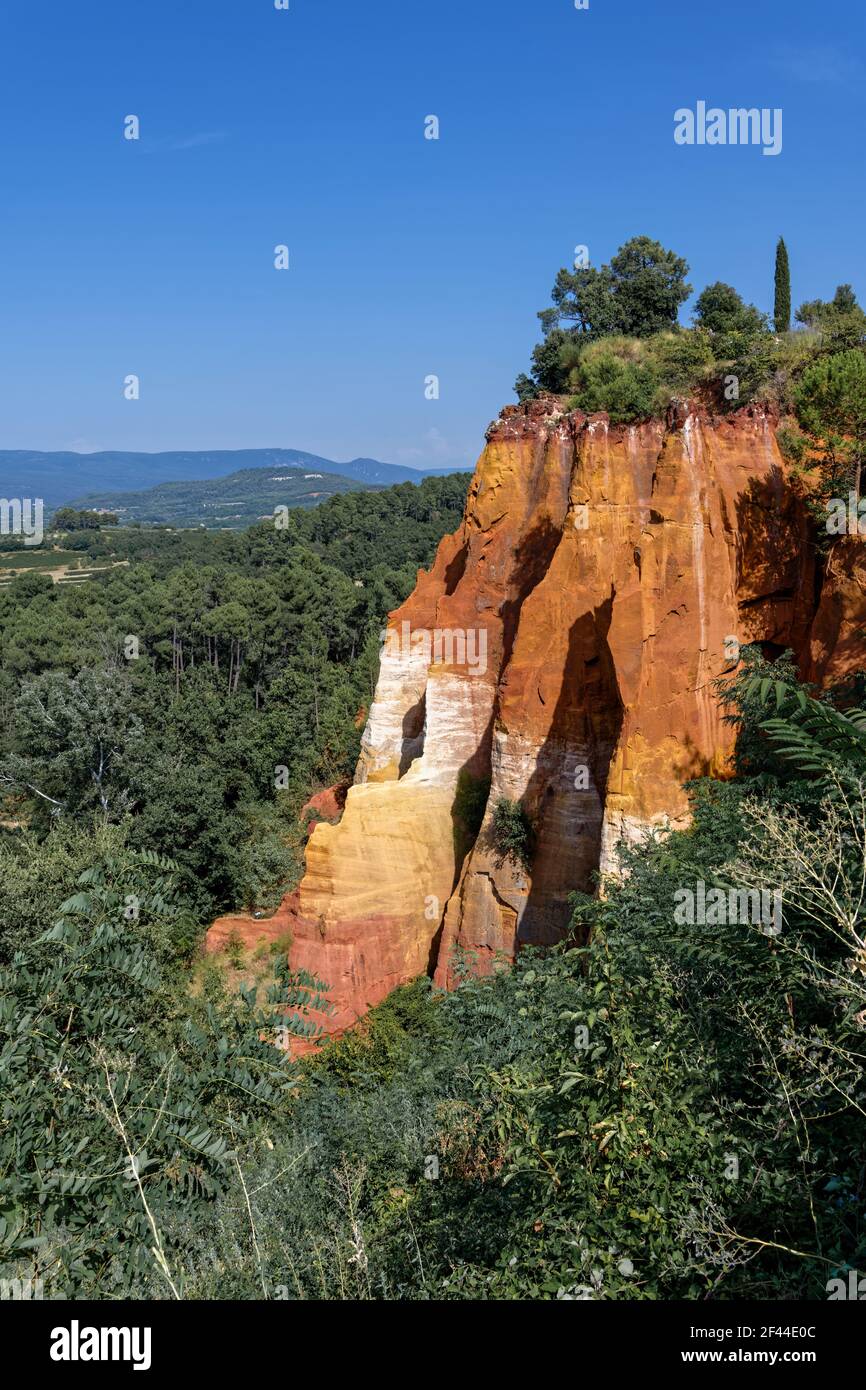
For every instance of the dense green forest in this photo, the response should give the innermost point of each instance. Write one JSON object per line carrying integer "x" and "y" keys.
{"x": 653, "y": 1109}
{"x": 662, "y": 1111}
{"x": 199, "y": 689}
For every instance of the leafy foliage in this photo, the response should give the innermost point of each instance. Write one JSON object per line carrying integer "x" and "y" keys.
{"x": 608, "y": 380}
{"x": 840, "y": 321}
{"x": 121, "y": 1104}
{"x": 251, "y": 653}
{"x": 812, "y": 734}
{"x": 666, "y": 1112}
{"x": 638, "y": 294}
{"x": 71, "y": 519}
{"x": 613, "y": 342}
{"x": 511, "y": 834}
{"x": 721, "y": 309}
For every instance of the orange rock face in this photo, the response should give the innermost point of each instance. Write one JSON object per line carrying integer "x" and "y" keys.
{"x": 836, "y": 646}
{"x": 325, "y": 805}
{"x": 561, "y": 652}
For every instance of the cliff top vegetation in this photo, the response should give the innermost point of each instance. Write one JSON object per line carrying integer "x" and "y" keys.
{"x": 613, "y": 342}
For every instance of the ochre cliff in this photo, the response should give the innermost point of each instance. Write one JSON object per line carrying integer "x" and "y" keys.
{"x": 561, "y": 652}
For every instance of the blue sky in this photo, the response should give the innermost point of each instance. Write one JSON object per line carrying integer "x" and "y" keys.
{"x": 409, "y": 257}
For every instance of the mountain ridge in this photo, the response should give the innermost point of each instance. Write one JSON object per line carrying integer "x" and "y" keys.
{"x": 59, "y": 477}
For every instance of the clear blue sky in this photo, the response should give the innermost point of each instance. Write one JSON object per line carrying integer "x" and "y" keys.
{"x": 409, "y": 257}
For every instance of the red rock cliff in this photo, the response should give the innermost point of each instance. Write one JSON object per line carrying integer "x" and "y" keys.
{"x": 562, "y": 652}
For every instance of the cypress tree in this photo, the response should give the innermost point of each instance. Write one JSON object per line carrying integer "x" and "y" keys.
{"x": 782, "y": 308}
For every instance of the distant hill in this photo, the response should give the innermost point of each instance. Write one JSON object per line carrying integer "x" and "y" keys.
{"x": 61, "y": 478}
{"x": 372, "y": 471}
{"x": 237, "y": 501}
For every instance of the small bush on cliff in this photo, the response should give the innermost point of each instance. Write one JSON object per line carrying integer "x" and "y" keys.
{"x": 634, "y": 378}
{"x": 681, "y": 359}
{"x": 793, "y": 445}
{"x": 628, "y": 391}
{"x": 511, "y": 835}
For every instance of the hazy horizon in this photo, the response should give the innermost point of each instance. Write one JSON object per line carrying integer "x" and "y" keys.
{"x": 216, "y": 449}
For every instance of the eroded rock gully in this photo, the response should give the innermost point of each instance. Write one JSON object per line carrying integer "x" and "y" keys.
{"x": 561, "y": 651}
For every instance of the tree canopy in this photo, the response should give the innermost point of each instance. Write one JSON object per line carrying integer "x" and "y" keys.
{"x": 639, "y": 293}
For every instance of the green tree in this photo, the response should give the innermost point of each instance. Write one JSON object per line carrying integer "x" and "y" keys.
{"x": 638, "y": 294}
{"x": 74, "y": 744}
{"x": 583, "y": 300}
{"x": 782, "y": 299}
{"x": 720, "y": 309}
{"x": 831, "y": 405}
{"x": 549, "y": 371}
{"x": 648, "y": 287}
{"x": 256, "y": 649}
{"x": 70, "y": 519}
{"x": 840, "y": 321}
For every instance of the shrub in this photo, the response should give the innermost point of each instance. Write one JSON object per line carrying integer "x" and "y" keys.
{"x": 720, "y": 309}
{"x": 123, "y": 1101}
{"x": 603, "y": 380}
{"x": 683, "y": 360}
{"x": 511, "y": 833}
{"x": 793, "y": 445}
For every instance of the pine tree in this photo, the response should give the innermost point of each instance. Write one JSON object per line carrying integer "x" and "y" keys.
{"x": 782, "y": 308}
